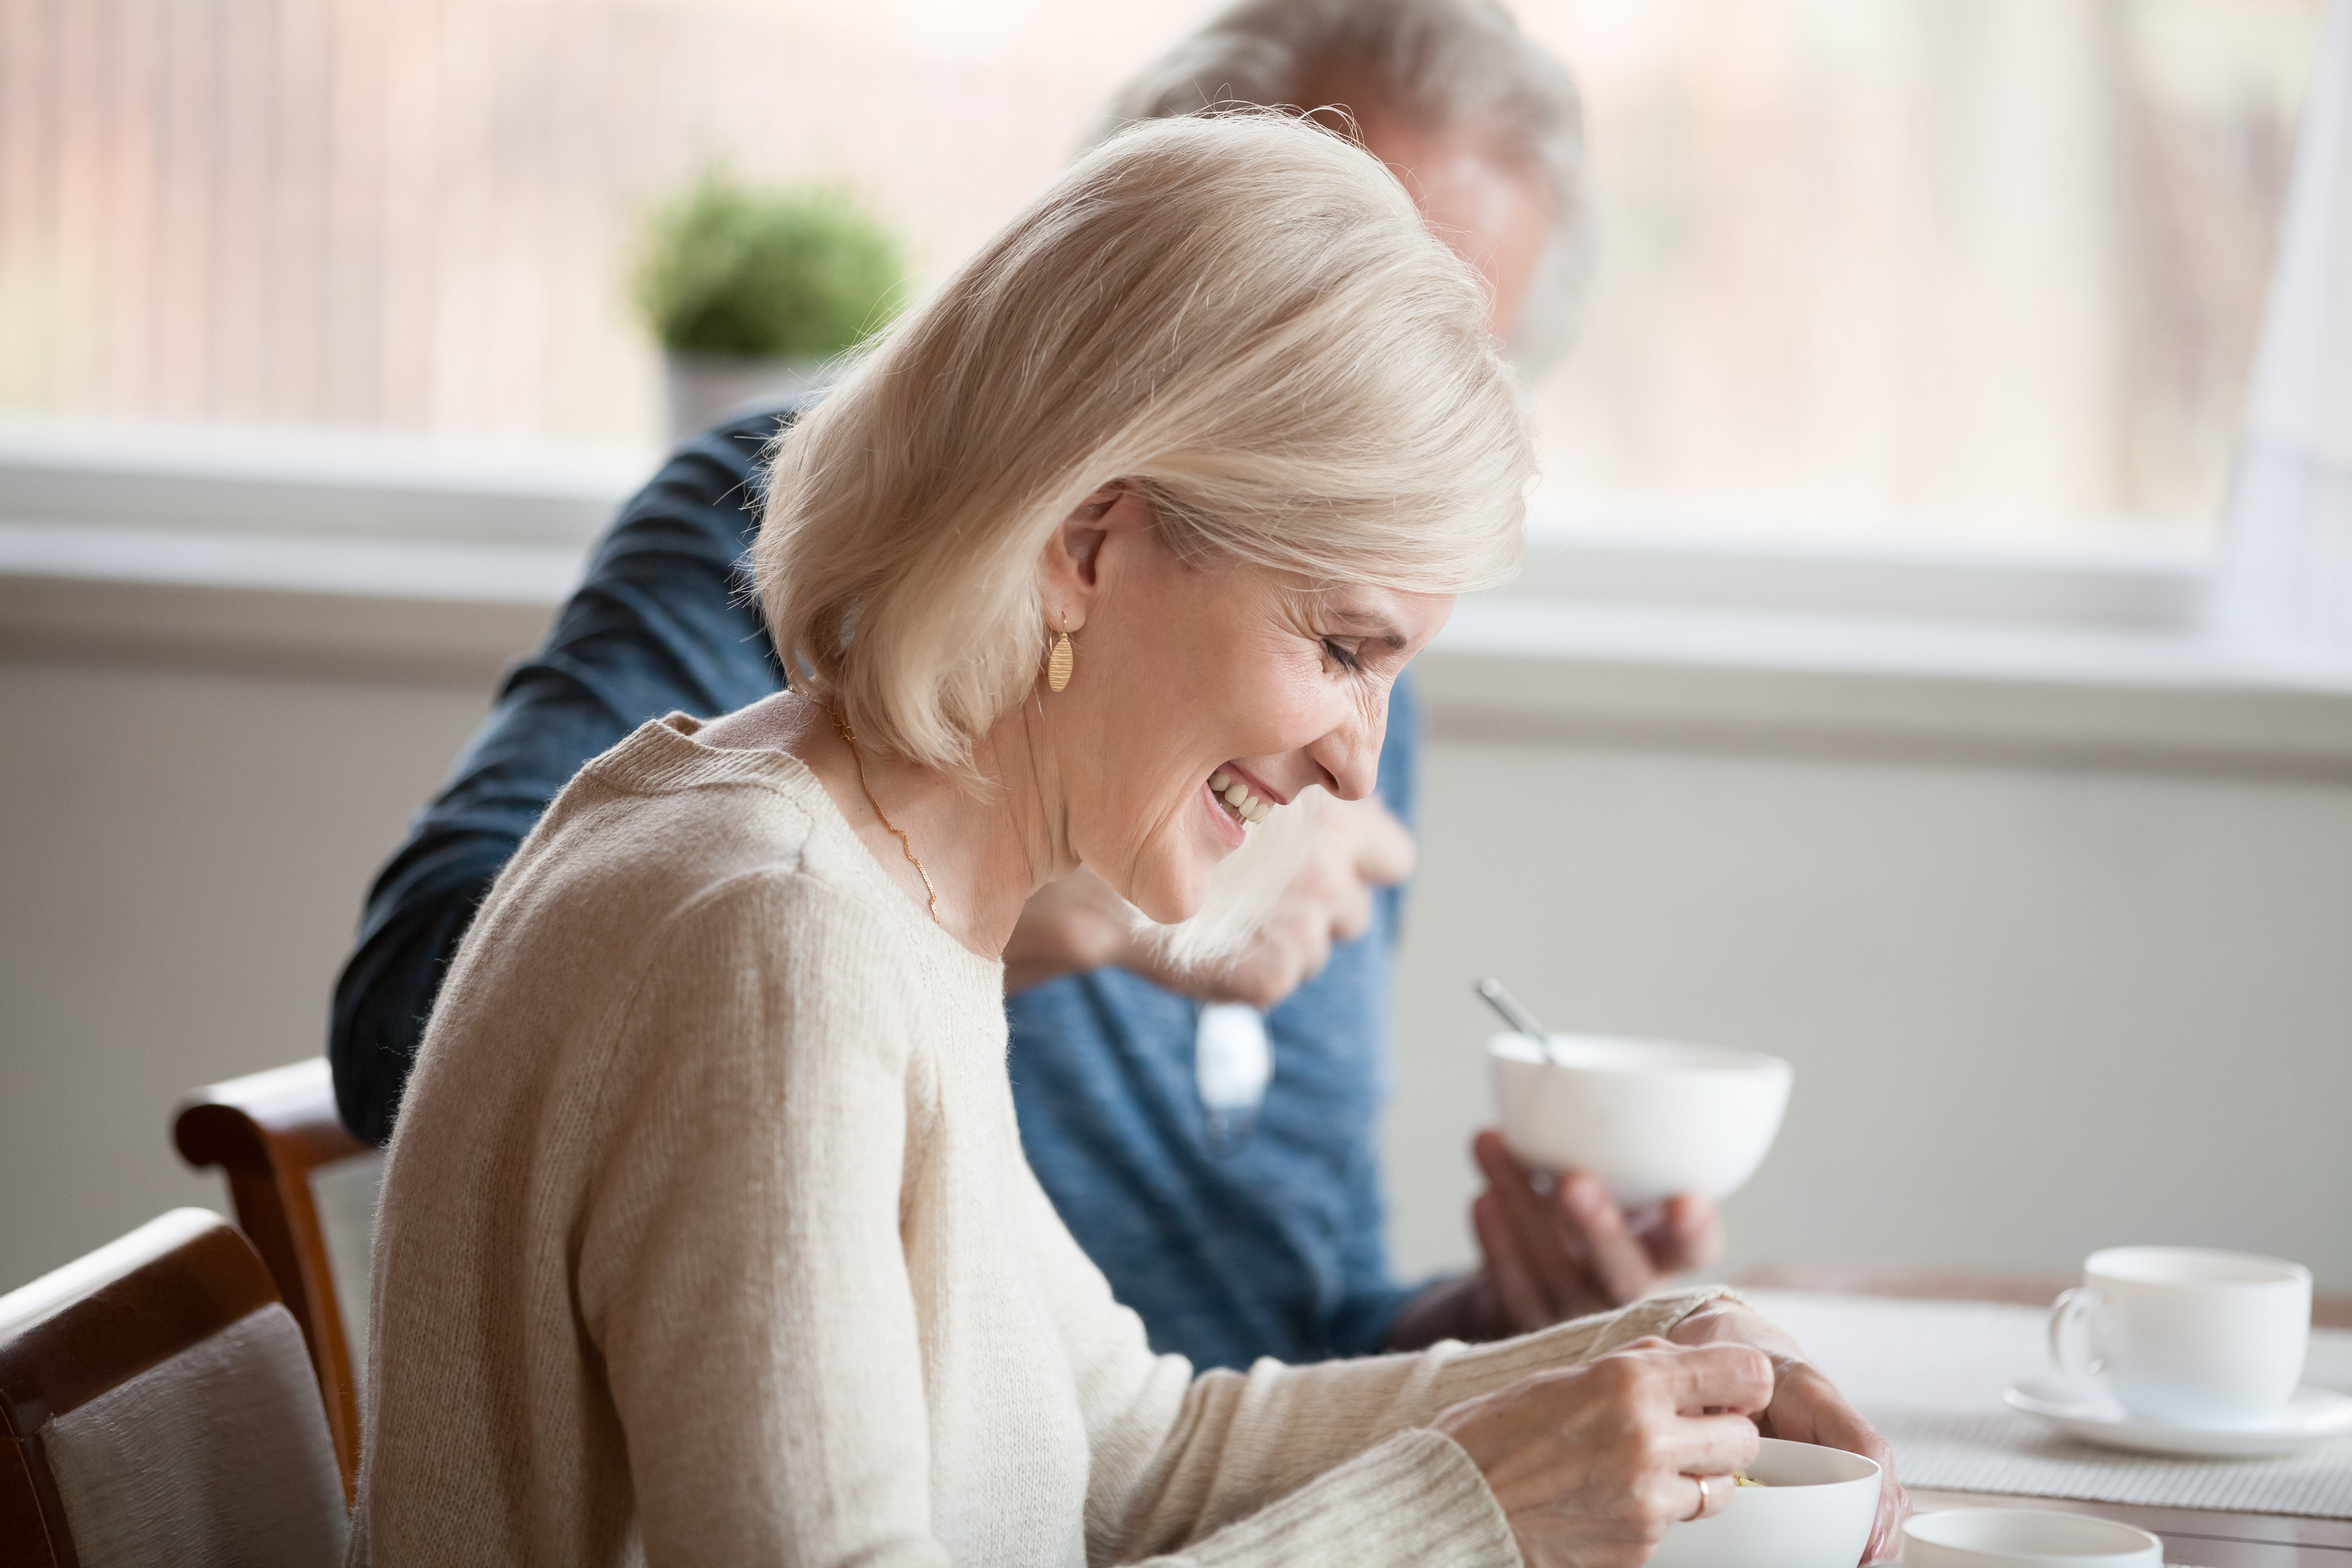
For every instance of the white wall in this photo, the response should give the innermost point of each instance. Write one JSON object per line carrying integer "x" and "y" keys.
{"x": 181, "y": 858}
{"x": 2032, "y": 1011}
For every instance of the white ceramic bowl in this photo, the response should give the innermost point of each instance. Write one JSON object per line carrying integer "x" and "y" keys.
{"x": 1648, "y": 1118}
{"x": 1813, "y": 1510}
{"x": 2025, "y": 1538}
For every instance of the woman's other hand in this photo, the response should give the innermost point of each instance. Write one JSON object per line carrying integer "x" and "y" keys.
{"x": 1593, "y": 1464}
{"x": 1077, "y": 923}
{"x": 1805, "y": 1407}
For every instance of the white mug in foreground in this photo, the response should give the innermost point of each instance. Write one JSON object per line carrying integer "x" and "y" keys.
{"x": 2185, "y": 1336}
{"x": 1649, "y": 1118}
{"x": 2024, "y": 1538}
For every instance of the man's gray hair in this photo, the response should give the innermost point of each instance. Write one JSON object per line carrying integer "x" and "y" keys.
{"x": 1439, "y": 62}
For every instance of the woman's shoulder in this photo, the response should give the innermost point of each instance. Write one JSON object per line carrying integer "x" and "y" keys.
{"x": 664, "y": 835}
{"x": 697, "y": 904}
{"x": 663, "y": 813}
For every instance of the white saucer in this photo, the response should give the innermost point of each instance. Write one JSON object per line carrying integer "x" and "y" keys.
{"x": 2313, "y": 1416}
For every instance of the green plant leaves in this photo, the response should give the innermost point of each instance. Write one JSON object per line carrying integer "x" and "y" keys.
{"x": 776, "y": 272}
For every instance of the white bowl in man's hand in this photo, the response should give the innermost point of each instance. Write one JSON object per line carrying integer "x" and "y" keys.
{"x": 1651, "y": 1119}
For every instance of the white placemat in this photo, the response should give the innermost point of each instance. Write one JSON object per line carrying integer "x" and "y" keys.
{"x": 1930, "y": 1374}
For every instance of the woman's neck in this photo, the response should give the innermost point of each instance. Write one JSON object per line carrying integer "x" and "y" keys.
{"x": 985, "y": 848}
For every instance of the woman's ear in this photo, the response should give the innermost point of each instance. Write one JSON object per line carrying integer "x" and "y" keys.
{"x": 1073, "y": 554}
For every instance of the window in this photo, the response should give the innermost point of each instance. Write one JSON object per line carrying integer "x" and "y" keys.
{"x": 1988, "y": 269}
{"x": 1930, "y": 268}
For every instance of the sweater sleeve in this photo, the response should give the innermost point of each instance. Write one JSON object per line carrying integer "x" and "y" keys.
{"x": 741, "y": 1276}
{"x": 1322, "y": 1460}
{"x": 1329, "y": 1462}
{"x": 745, "y": 1286}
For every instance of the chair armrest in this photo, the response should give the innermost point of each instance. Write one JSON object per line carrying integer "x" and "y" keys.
{"x": 267, "y": 1131}
{"x": 286, "y": 1114}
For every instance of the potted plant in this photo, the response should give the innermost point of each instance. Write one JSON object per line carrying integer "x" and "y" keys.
{"x": 751, "y": 289}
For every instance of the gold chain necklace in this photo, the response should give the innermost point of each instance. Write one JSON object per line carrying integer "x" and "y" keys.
{"x": 904, "y": 846}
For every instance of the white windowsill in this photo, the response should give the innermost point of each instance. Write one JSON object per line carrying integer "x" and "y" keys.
{"x": 374, "y": 557}
{"x": 418, "y": 610}
{"x": 336, "y": 553}
{"x": 1530, "y": 670}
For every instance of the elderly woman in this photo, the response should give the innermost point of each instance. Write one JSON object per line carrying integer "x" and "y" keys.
{"x": 708, "y": 1235}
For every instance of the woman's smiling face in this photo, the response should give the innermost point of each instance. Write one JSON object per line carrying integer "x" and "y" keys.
{"x": 1193, "y": 680}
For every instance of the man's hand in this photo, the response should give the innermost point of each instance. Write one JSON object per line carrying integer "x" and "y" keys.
{"x": 1067, "y": 928}
{"x": 1565, "y": 1249}
{"x": 1079, "y": 923}
{"x": 1806, "y": 1408}
{"x": 1555, "y": 1252}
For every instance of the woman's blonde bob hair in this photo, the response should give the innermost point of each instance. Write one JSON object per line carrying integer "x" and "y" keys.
{"x": 1244, "y": 315}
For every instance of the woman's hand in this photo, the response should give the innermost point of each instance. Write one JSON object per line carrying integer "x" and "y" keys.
{"x": 1805, "y": 1407}
{"x": 1592, "y": 1464}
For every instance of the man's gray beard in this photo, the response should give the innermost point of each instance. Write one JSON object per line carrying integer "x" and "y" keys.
{"x": 1243, "y": 890}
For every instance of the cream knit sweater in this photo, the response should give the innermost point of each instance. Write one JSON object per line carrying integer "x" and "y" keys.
{"x": 708, "y": 1238}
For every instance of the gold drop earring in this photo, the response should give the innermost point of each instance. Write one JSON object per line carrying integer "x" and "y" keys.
{"x": 1057, "y": 668}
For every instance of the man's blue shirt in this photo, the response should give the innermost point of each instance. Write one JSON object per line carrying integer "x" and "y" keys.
{"x": 1229, "y": 1249}
{"x": 1265, "y": 1245}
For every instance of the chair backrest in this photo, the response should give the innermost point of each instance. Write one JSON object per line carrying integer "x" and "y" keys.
{"x": 159, "y": 1409}
{"x": 305, "y": 1192}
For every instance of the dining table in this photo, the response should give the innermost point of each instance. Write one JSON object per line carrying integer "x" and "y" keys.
{"x": 1875, "y": 1319}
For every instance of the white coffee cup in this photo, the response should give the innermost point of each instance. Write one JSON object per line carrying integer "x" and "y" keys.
{"x": 2186, "y": 1337}
{"x": 2024, "y": 1538}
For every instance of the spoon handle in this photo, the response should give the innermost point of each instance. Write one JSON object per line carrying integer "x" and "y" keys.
{"x": 1490, "y": 990}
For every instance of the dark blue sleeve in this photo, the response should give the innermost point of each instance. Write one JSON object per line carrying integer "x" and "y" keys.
{"x": 664, "y": 621}
{"x": 1370, "y": 1299}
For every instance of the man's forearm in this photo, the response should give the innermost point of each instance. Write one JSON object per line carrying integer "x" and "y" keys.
{"x": 383, "y": 999}
{"x": 656, "y": 626}
{"x": 1452, "y": 1309}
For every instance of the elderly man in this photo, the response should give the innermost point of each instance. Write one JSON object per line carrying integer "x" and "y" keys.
{"x": 1233, "y": 1238}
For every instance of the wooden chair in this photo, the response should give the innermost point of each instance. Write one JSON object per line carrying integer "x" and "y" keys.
{"x": 304, "y": 1190}
{"x": 158, "y": 1407}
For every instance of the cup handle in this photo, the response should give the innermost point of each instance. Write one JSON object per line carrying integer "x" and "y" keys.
{"x": 2073, "y": 1359}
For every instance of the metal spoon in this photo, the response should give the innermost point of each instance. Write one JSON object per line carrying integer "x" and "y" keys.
{"x": 1491, "y": 992}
